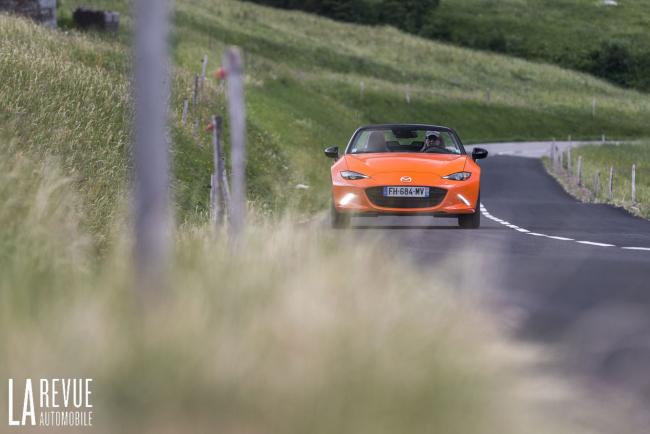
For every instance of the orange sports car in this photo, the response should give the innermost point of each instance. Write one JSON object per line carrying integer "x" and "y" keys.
{"x": 403, "y": 169}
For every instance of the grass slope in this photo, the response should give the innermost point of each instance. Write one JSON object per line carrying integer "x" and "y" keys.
{"x": 303, "y": 93}
{"x": 565, "y": 32}
{"x": 599, "y": 160}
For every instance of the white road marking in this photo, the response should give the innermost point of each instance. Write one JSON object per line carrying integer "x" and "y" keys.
{"x": 487, "y": 214}
{"x": 591, "y": 243}
{"x": 559, "y": 238}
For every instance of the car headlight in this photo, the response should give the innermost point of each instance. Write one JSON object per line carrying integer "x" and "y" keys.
{"x": 458, "y": 176}
{"x": 353, "y": 176}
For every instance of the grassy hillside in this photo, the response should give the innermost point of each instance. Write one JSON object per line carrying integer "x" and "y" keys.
{"x": 303, "y": 89}
{"x": 609, "y": 41}
{"x": 599, "y": 159}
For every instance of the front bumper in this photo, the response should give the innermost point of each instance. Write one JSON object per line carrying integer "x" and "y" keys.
{"x": 461, "y": 198}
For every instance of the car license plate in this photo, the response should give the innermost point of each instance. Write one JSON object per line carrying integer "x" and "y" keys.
{"x": 406, "y": 191}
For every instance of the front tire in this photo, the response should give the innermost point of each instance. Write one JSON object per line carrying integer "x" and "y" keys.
{"x": 339, "y": 220}
{"x": 471, "y": 221}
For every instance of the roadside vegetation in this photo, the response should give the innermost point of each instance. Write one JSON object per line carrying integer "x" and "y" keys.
{"x": 292, "y": 347}
{"x": 596, "y": 164}
{"x": 608, "y": 41}
{"x": 301, "y": 331}
{"x": 308, "y": 90}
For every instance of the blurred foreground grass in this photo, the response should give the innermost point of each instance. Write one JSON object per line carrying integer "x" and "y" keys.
{"x": 300, "y": 332}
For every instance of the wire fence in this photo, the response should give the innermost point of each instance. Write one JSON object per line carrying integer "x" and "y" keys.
{"x": 595, "y": 181}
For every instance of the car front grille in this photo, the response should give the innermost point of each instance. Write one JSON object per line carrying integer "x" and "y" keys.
{"x": 376, "y": 196}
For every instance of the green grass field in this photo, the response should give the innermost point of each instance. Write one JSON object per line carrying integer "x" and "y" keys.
{"x": 596, "y": 163}
{"x": 304, "y": 94}
{"x": 564, "y": 32}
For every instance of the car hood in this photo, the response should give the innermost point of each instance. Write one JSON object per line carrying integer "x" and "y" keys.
{"x": 373, "y": 164}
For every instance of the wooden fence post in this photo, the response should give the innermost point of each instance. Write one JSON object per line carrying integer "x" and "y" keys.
{"x": 634, "y": 184}
{"x": 597, "y": 184}
{"x": 407, "y": 94}
{"x": 568, "y": 161}
{"x": 151, "y": 149}
{"x": 553, "y": 157}
{"x": 184, "y": 114}
{"x": 204, "y": 65}
{"x": 610, "y": 190}
{"x": 579, "y": 180}
{"x": 225, "y": 185}
{"x": 195, "y": 92}
{"x": 215, "y": 190}
{"x": 593, "y": 108}
{"x": 362, "y": 88}
{"x": 237, "y": 110}
{"x": 561, "y": 157}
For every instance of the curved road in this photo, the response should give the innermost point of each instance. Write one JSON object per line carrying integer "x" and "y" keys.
{"x": 561, "y": 270}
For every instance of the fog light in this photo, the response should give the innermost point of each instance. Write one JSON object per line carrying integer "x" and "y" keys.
{"x": 347, "y": 199}
{"x": 465, "y": 201}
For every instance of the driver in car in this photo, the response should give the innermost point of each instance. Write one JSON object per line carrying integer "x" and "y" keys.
{"x": 433, "y": 142}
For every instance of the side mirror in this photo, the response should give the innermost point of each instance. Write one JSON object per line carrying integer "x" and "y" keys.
{"x": 332, "y": 152}
{"x": 479, "y": 153}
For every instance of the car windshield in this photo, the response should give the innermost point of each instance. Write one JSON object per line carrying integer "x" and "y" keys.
{"x": 405, "y": 139}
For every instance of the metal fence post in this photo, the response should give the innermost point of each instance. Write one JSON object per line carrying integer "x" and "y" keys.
{"x": 151, "y": 150}
{"x": 579, "y": 176}
{"x": 634, "y": 183}
{"x": 237, "y": 110}
{"x": 610, "y": 191}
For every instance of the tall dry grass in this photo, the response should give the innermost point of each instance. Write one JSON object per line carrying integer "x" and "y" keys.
{"x": 300, "y": 331}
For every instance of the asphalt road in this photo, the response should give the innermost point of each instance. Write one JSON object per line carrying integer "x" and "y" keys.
{"x": 562, "y": 271}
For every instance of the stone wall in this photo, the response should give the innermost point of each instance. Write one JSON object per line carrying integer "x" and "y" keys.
{"x": 43, "y": 11}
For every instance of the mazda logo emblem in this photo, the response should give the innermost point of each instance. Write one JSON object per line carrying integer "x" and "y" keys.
{"x": 406, "y": 179}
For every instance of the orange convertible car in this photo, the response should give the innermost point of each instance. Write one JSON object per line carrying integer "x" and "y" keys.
{"x": 406, "y": 170}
